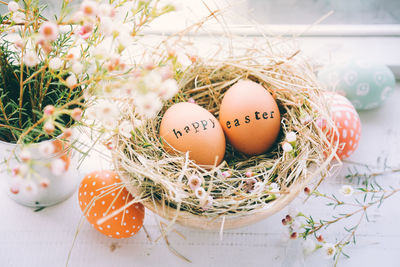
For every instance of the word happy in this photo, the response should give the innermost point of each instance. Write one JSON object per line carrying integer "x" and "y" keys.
{"x": 247, "y": 119}
{"x": 195, "y": 127}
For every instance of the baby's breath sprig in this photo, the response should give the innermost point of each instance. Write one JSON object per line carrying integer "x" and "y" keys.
{"x": 369, "y": 194}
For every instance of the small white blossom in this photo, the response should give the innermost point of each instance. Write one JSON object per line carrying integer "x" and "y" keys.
{"x": 258, "y": 188}
{"x": 194, "y": 182}
{"x": 207, "y": 203}
{"x": 18, "y": 17}
{"x": 46, "y": 149}
{"x": 153, "y": 81}
{"x": 31, "y": 59}
{"x": 168, "y": 89}
{"x": 105, "y": 109}
{"x": 293, "y": 212}
{"x": 226, "y": 174}
{"x": 25, "y": 155}
{"x": 148, "y": 105}
{"x": 49, "y": 31}
{"x": 77, "y": 67}
{"x": 55, "y": 63}
{"x": 57, "y": 167}
{"x": 200, "y": 193}
{"x": 30, "y": 187}
{"x": 71, "y": 81}
{"x": 287, "y": 147}
{"x": 308, "y": 246}
{"x": 106, "y": 26}
{"x": 291, "y": 137}
{"x": 125, "y": 128}
{"x": 105, "y": 10}
{"x": 347, "y": 190}
{"x": 13, "y": 6}
{"x": 89, "y": 8}
{"x": 137, "y": 123}
{"x": 328, "y": 250}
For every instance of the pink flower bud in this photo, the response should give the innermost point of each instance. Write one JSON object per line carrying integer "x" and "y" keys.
{"x": 76, "y": 114}
{"x": 49, "y": 127}
{"x": 49, "y": 110}
{"x": 249, "y": 174}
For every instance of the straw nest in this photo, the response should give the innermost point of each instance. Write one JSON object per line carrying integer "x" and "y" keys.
{"x": 160, "y": 180}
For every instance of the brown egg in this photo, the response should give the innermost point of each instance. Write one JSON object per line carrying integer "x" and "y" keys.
{"x": 189, "y": 127}
{"x": 250, "y": 117}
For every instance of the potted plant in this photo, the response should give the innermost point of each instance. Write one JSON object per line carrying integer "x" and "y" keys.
{"x": 51, "y": 71}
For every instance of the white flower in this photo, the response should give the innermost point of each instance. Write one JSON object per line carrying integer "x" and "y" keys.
{"x": 328, "y": 250}
{"x": 291, "y": 137}
{"x": 30, "y": 187}
{"x": 168, "y": 89}
{"x": 137, "y": 123}
{"x": 55, "y": 63}
{"x": 124, "y": 40}
{"x": 258, "y": 188}
{"x": 106, "y": 26}
{"x": 153, "y": 81}
{"x": 31, "y": 59}
{"x": 194, "y": 182}
{"x": 105, "y": 10}
{"x": 71, "y": 81}
{"x": 74, "y": 53}
{"x": 347, "y": 190}
{"x": 308, "y": 246}
{"x": 13, "y": 6}
{"x": 77, "y": 67}
{"x": 125, "y": 129}
{"x": 274, "y": 186}
{"x": 25, "y": 155}
{"x": 105, "y": 109}
{"x": 21, "y": 170}
{"x": 148, "y": 105}
{"x": 57, "y": 167}
{"x": 46, "y": 149}
{"x": 207, "y": 203}
{"x": 18, "y": 17}
{"x": 89, "y": 8}
{"x": 200, "y": 193}
{"x": 109, "y": 123}
{"x": 295, "y": 225}
{"x": 100, "y": 51}
{"x": 293, "y": 212}
{"x": 49, "y": 31}
{"x": 287, "y": 147}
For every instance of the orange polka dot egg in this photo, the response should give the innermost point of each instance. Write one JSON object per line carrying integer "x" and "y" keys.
{"x": 347, "y": 121}
{"x": 100, "y": 195}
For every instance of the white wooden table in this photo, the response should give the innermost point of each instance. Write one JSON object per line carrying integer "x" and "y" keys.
{"x": 44, "y": 238}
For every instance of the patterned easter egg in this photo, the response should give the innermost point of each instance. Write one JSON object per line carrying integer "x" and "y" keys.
{"x": 347, "y": 122}
{"x": 365, "y": 84}
{"x": 101, "y": 194}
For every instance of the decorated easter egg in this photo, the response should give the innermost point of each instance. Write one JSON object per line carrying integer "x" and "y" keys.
{"x": 347, "y": 122}
{"x": 365, "y": 84}
{"x": 250, "y": 117}
{"x": 101, "y": 194}
{"x": 187, "y": 127}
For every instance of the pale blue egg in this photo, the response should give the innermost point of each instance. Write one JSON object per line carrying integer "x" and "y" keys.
{"x": 364, "y": 83}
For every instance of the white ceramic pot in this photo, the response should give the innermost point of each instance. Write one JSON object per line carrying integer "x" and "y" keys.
{"x": 40, "y": 184}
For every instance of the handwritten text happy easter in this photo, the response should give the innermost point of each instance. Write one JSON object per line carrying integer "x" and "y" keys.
{"x": 203, "y": 125}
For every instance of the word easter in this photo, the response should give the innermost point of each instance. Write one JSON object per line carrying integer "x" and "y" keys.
{"x": 257, "y": 116}
{"x": 196, "y": 127}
